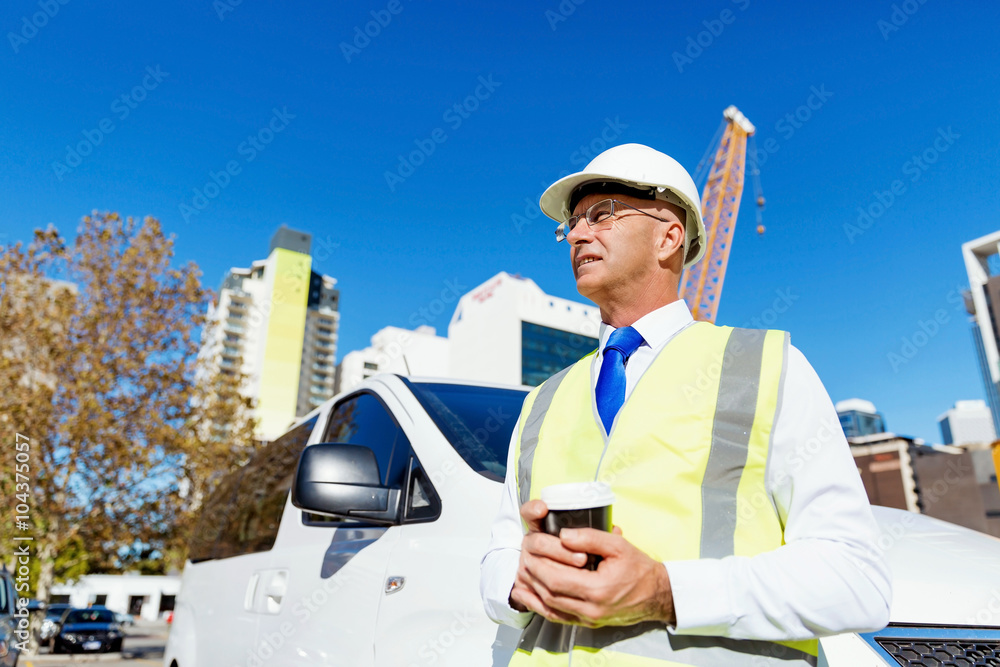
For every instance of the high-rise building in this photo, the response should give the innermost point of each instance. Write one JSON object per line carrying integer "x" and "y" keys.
{"x": 982, "y": 264}
{"x": 859, "y": 418}
{"x": 278, "y": 322}
{"x": 968, "y": 423}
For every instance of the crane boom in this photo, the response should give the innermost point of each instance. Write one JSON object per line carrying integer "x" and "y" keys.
{"x": 720, "y": 203}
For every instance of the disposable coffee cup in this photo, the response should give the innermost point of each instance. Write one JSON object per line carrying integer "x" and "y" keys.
{"x": 578, "y": 505}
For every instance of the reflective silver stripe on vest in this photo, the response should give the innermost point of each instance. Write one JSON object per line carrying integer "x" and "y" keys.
{"x": 734, "y": 412}
{"x": 652, "y": 640}
{"x": 786, "y": 342}
{"x": 532, "y": 425}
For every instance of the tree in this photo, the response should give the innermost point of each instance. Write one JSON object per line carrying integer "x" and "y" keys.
{"x": 100, "y": 375}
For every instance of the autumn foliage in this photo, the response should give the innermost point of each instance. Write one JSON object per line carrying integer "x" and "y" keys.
{"x": 99, "y": 370}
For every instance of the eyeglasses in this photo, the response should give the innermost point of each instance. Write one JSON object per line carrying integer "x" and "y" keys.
{"x": 598, "y": 216}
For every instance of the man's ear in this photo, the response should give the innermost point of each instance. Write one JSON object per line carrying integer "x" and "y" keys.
{"x": 670, "y": 241}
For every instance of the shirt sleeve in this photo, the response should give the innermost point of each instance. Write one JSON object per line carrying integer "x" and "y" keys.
{"x": 829, "y": 576}
{"x": 498, "y": 568}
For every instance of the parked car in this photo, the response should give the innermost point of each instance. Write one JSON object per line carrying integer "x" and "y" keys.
{"x": 50, "y": 624}
{"x": 124, "y": 620}
{"x": 9, "y": 639}
{"x": 121, "y": 619}
{"x": 88, "y": 630}
{"x": 365, "y": 553}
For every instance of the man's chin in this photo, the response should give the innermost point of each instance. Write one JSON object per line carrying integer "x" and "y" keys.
{"x": 587, "y": 285}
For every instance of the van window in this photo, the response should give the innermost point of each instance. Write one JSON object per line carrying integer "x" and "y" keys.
{"x": 477, "y": 421}
{"x": 362, "y": 419}
{"x": 243, "y": 514}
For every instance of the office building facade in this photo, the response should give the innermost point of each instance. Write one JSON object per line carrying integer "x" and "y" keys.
{"x": 505, "y": 331}
{"x": 982, "y": 264}
{"x": 509, "y": 331}
{"x": 968, "y": 423}
{"x": 859, "y": 418}
{"x": 277, "y": 322}
{"x": 420, "y": 352}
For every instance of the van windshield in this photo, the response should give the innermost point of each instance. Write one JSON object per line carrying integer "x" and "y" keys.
{"x": 477, "y": 421}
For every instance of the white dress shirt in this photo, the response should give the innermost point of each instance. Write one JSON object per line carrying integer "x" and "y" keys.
{"x": 827, "y": 578}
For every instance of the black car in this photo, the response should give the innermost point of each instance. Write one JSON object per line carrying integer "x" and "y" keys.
{"x": 9, "y": 638}
{"x": 88, "y": 630}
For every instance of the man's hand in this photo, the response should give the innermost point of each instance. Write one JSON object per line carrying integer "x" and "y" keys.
{"x": 628, "y": 586}
{"x": 536, "y": 545}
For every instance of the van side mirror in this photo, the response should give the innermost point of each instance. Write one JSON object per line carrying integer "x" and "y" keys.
{"x": 342, "y": 480}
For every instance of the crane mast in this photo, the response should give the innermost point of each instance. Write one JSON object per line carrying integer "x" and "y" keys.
{"x": 701, "y": 286}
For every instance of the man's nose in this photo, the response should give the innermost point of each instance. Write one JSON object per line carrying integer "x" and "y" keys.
{"x": 581, "y": 233}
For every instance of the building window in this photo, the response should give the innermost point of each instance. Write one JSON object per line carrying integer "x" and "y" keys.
{"x": 370, "y": 366}
{"x": 546, "y": 351}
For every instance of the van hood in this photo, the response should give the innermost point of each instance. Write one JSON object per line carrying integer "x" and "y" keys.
{"x": 942, "y": 573}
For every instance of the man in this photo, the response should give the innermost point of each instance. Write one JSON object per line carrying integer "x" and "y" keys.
{"x": 742, "y": 530}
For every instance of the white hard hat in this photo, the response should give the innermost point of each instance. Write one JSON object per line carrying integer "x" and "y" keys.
{"x": 641, "y": 168}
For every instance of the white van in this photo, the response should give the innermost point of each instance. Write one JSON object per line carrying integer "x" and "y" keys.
{"x": 416, "y": 481}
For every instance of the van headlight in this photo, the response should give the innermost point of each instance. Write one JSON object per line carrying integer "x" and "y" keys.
{"x": 70, "y": 637}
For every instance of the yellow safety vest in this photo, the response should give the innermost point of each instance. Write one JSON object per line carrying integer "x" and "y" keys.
{"x": 687, "y": 461}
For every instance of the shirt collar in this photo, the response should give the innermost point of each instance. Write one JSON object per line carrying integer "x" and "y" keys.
{"x": 656, "y": 327}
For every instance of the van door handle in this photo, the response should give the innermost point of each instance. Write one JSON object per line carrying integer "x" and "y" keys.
{"x": 251, "y": 593}
{"x": 276, "y": 589}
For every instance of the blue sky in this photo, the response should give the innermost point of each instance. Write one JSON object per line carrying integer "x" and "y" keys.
{"x": 199, "y": 79}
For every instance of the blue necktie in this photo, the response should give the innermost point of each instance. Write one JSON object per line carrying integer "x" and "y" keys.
{"x": 611, "y": 382}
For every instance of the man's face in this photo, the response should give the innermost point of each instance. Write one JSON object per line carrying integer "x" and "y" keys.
{"x": 611, "y": 263}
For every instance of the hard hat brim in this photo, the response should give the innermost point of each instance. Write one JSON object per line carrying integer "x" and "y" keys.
{"x": 554, "y": 203}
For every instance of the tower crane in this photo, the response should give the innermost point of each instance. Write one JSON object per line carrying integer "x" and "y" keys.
{"x": 701, "y": 286}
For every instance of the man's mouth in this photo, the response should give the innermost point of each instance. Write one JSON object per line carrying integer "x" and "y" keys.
{"x": 588, "y": 260}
